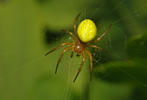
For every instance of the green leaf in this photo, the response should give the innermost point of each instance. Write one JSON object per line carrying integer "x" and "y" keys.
{"x": 133, "y": 69}
{"x": 137, "y": 46}
{"x": 124, "y": 71}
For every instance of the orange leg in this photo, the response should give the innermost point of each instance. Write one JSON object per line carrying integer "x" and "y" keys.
{"x": 59, "y": 60}
{"x": 75, "y": 23}
{"x": 72, "y": 54}
{"x": 94, "y": 46}
{"x": 91, "y": 64}
{"x": 83, "y": 60}
{"x": 63, "y": 44}
{"x": 73, "y": 36}
{"x": 99, "y": 38}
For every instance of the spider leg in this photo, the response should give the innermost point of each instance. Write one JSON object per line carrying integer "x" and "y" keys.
{"x": 99, "y": 48}
{"x": 63, "y": 44}
{"x": 83, "y": 60}
{"x": 72, "y": 54}
{"x": 99, "y": 38}
{"x": 91, "y": 64}
{"x": 75, "y": 23}
{"x": 94, "y": 46}
{"x": 59, "y": 60}
{"x": 73, "y": 36}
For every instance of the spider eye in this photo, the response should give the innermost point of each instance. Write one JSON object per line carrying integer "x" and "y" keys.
{"x": 86, "y": 30}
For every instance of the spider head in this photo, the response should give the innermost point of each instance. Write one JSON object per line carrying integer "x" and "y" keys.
{"x": 78, "y": 48}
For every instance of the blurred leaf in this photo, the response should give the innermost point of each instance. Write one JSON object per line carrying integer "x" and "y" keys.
{"x": 137, "y": 46}
{"x": 127, "y": 71}
{"x": 131, "y": 70}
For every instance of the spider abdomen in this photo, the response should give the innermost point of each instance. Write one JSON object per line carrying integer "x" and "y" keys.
{"x": 86, "y": 30}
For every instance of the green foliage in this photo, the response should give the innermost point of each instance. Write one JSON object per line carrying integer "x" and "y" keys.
{"x": 131, "y": 69}
{"x": 29, "y": 28}
{"x": 137, "y": 46}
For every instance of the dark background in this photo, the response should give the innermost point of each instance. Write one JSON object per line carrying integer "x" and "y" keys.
{"x": 30, "y": 28}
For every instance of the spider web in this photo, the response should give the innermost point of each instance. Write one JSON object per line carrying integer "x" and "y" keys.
{"x": 132, "y": 14}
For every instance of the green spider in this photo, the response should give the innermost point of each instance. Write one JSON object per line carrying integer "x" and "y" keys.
{"x": 84, "y": 34}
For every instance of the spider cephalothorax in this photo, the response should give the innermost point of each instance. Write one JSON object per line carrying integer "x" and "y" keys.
{"x": 85, "y": 33}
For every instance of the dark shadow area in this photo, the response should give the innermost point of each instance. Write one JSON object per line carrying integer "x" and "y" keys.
{"x": 53, "y": 36}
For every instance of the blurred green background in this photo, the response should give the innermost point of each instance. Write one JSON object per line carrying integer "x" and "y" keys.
{"x": 30, "y": 28}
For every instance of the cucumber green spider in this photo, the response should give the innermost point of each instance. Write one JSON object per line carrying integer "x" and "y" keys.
{"x": 85, "y": 33}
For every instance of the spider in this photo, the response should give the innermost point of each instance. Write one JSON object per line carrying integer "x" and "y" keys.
{"x": 83, "y": 35}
